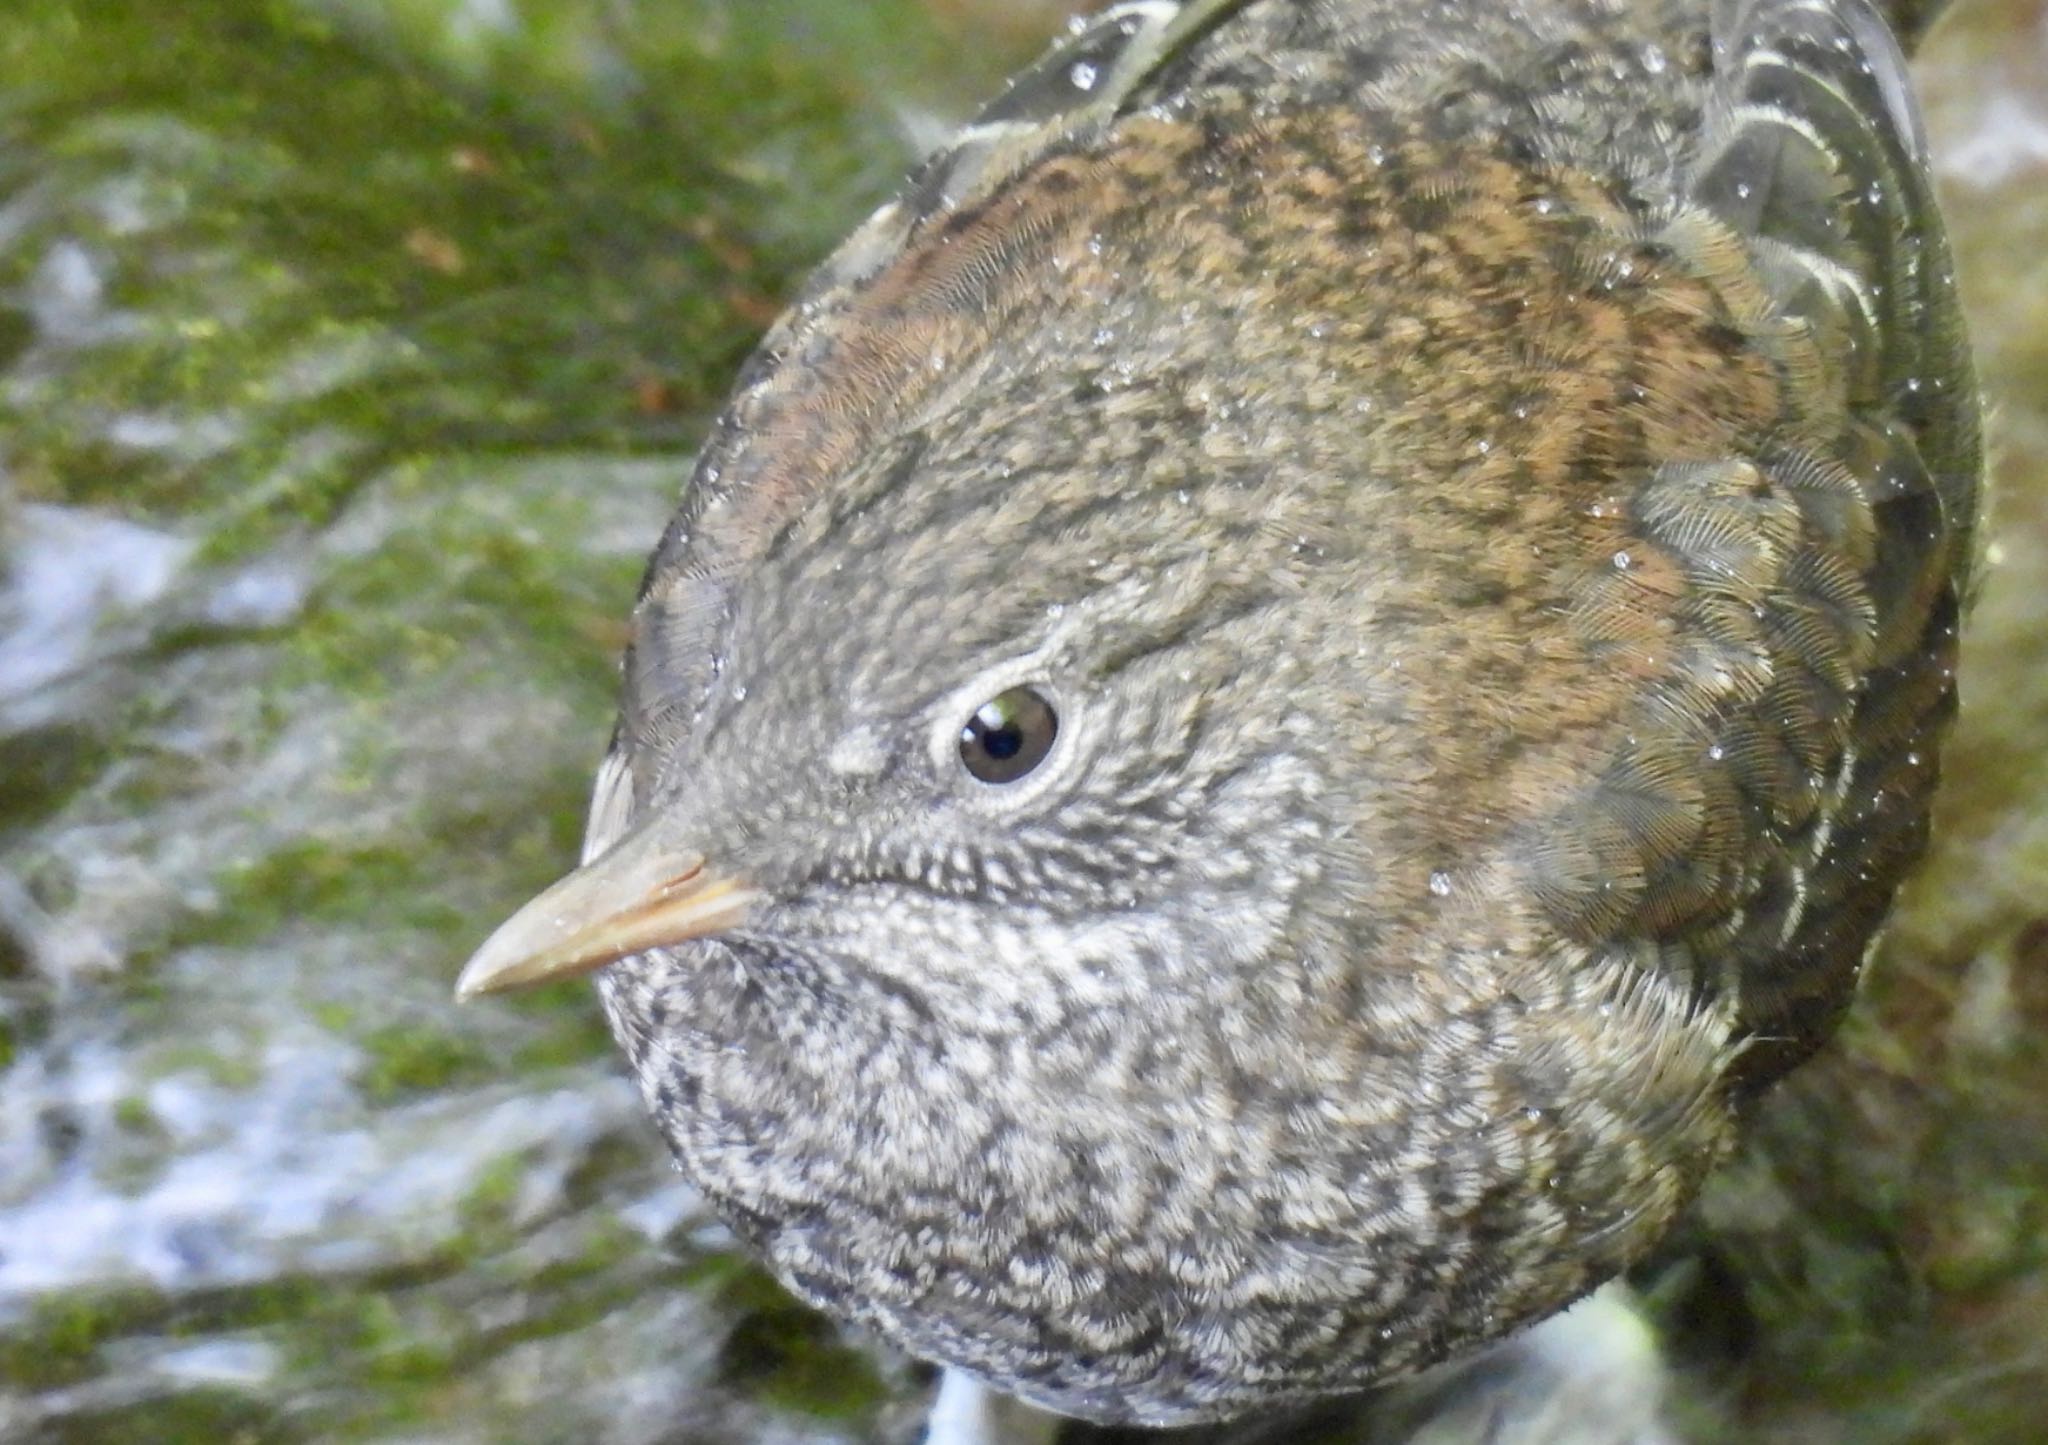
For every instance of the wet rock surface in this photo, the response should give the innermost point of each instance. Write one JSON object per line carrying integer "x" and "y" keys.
{"x": 351, "y": 356}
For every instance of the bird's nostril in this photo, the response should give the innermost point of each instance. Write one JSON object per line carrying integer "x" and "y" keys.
{"x": 681, "y": 880}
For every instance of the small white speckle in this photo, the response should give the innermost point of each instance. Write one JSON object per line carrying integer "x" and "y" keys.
{"x": 1440, "y": 883}
{"x": 1084, "y": 75}
{"x": 857, "y": 754}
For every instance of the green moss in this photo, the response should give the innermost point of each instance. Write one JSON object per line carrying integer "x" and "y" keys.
{"x": 231, "y": 1067}
{"x": 405, "y": 1059}
{"x": 307, "y": 882}
{"x": 603, "y": 1246}
{"x": 608, "y": 1273}
{"x": 455, "y": 580}
{"x": 41, "y": 767}
{"x": 488, "y": 1206}
{"x": 1993, "y": 1241}
{"x": 794, "y": 1358}
{"x": 353, "y": 264}
{"x": 398, "y": 1348}
{"x": 190, "y": 1415}
{"x": 335, "y": 1017}
{"x": 59, "y": 1341}
{"x": 573, "y": 1030}
{"x": 782, "y": 1351}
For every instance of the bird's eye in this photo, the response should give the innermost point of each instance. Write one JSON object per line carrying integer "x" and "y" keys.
{"x": 1009, "y": 735}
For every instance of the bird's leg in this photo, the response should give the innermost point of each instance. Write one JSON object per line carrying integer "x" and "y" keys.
{"x": 968, "y": 1412}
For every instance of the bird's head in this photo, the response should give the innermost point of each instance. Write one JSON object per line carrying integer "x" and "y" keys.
{"x": 1004, "y": 740}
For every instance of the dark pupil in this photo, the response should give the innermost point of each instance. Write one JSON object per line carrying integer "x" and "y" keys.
{"x": 1003, "y": 741}
{"x": 1008, "y": 736}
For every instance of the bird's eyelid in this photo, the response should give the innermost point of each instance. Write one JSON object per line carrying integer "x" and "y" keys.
{"x": 949, "y": 710}
{"x": 953, "y": 715}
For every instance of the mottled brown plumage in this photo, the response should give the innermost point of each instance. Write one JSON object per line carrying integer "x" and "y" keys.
{"x": 1486, "y": 491}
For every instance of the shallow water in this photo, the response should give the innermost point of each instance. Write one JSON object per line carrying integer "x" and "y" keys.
{"x": 351, "y": 352}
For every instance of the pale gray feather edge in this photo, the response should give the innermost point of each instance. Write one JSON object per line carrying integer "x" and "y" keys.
{"x": 1805, "y": 81}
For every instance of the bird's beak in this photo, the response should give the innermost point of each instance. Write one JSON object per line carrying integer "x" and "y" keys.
{"x": 644, "y": 893}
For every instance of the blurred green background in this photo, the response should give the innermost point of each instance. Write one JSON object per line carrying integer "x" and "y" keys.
{"x": 352, "y": 353}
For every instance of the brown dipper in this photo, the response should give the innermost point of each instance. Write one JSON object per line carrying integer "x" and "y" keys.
{"x": 1288, "y": 683}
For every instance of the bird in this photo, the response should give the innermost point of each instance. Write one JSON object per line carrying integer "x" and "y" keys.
{"x": 1290, "y": 683}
